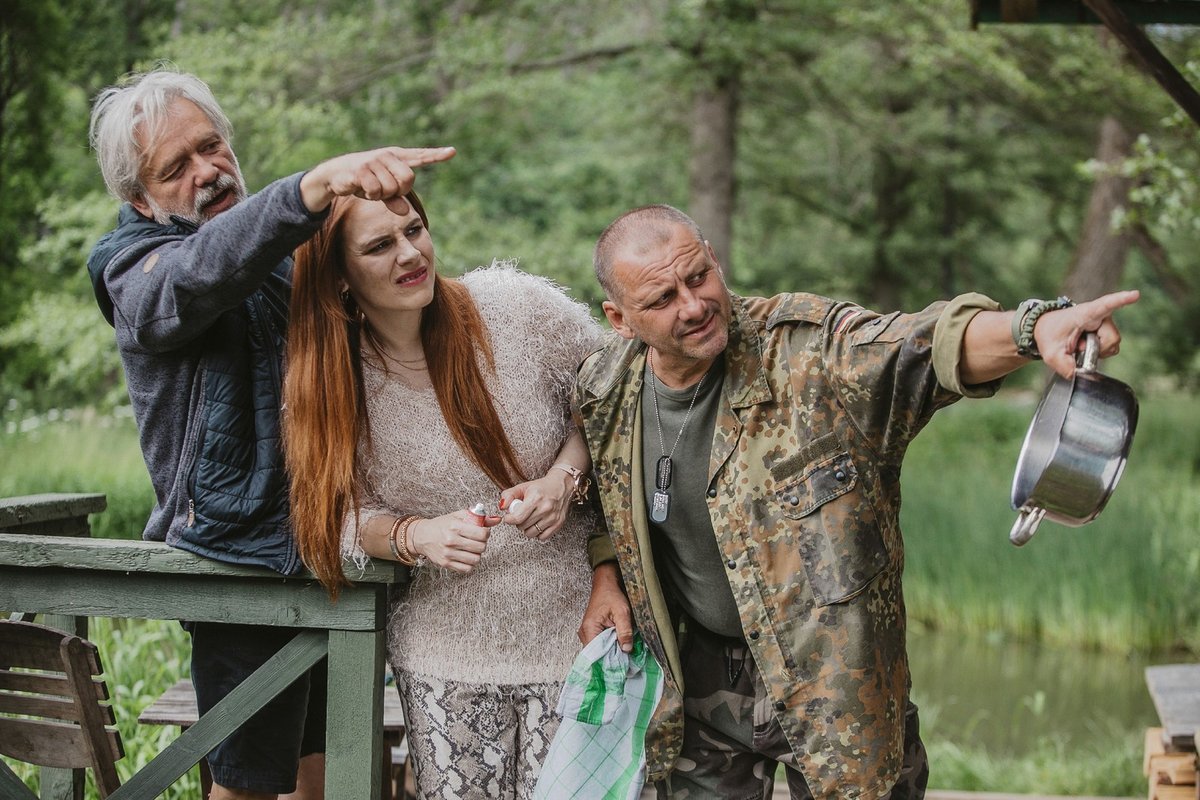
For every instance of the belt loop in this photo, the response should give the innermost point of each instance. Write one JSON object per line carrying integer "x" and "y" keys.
{"x": 729, "y": 665}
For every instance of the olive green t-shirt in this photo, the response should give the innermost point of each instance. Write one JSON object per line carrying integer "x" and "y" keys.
{"x": 685, "y": 545}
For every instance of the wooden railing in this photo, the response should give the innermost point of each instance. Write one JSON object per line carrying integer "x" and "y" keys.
{"x": 49, "y": 566}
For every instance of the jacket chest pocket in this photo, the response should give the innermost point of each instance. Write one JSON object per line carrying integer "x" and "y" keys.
{"x": 836, "y": 531}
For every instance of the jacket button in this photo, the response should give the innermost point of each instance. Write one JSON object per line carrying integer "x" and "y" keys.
{"x": 840, "y": 475}
{"x": 794, "y": 500}
{"x": 753, "y": 634}
{"x": 731, "y": 564}
{"x": 781, "y": 706}
{"x": 712, "y": 491}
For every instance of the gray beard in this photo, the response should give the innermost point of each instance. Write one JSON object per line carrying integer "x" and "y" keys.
{"x": 195, "y": 214}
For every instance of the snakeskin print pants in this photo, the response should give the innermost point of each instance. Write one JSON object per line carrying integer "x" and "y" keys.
{"x": 480, "y": 741}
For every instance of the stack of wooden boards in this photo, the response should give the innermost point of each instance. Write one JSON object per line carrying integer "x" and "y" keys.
{"x": 1171, "y": 771}
{"x": 1170, "y": 752}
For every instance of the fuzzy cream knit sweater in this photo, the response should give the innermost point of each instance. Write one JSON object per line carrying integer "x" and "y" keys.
{"x": 514, "y": 618}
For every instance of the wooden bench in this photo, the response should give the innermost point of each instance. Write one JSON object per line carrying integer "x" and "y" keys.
{"x": 177, "y": 706}
{"x": 1175, "y": 689}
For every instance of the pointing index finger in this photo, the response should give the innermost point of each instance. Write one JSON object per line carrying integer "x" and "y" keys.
{"x": 423, "y": 156}
{"x": 1111, "y": 302}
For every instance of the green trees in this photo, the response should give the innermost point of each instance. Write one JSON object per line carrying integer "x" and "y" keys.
{"x": 881, "y": 152}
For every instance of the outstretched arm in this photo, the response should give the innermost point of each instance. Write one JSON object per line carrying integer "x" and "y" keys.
{"x": 384, "y": 174}
{"x": 988, "y": 350}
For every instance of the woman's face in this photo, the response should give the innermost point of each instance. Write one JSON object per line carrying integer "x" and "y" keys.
{"x": 388, "y": 259}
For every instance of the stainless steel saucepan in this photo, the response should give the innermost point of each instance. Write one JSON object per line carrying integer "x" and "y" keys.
{"x": 1075, "y": 449}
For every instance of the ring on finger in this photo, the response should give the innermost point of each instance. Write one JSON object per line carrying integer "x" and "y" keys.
{"x": 539, "y": 529}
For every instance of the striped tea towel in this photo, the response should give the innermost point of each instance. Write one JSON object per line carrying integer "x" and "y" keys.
{"x": 599, "y": 751}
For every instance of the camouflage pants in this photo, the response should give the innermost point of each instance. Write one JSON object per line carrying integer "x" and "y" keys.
{"x": 732, "y": 743}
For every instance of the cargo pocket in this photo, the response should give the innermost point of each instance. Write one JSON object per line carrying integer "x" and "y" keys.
{"x": 838, "y": 536}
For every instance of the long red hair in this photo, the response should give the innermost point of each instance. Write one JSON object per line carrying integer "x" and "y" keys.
{"x": 325, "y": 412}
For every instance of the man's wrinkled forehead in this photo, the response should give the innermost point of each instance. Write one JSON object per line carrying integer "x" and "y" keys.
{"x": 649, "y": 240}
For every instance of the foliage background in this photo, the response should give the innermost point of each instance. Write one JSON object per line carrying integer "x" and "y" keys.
{"x": 881, "y": 152}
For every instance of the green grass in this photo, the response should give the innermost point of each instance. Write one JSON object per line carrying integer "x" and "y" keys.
{"x": 1124, "y": 582}
{"x": 80, "y": 452}
{"x": 1111, "y": 768}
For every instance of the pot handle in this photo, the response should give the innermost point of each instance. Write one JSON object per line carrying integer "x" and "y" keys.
{"x": 1091, "y": 353}
{"x": 1026, "y": 525}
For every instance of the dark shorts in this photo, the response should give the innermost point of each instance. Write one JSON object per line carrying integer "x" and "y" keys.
{"x": 264, "y": 753}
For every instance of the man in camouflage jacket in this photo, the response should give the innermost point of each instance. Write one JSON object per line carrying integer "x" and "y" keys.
{"x": 819, "y": 402}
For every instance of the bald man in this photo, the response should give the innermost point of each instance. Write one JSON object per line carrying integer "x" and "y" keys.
{"x": 748, "y": 455}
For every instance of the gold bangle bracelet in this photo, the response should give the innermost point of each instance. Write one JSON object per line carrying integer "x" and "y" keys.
{"x": 406, "y": 555}
{"x": 392, "y": 538}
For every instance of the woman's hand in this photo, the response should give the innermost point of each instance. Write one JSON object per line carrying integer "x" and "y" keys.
{"x": 454, "y": 541}
{"x": 543, "y": 504}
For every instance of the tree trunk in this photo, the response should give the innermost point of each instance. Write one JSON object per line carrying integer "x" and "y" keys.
{"x": 1099, "y": 261}
{"x": 891, "y": 181}
{"x": 714, "y": 149}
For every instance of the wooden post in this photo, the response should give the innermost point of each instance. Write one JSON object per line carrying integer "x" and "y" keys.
{"x": 354, "y": 716}
{"x": 1151, "y": 58}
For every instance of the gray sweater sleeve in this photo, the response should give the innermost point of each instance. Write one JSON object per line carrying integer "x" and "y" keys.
{"x": 172, "y": 294}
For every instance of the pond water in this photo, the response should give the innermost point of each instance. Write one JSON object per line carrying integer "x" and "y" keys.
{"x": 1006, "y": 696}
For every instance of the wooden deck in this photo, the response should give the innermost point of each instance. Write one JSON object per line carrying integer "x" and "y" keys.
{"x": 951, "y": 795}
{"x": 781, "y": 793}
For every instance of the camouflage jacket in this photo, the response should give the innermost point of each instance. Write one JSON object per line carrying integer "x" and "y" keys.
{"x": 819, "y": 403}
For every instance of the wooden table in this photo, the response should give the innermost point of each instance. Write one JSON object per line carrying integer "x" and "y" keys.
{"x": 1175, "y": 690}
{"x": 54, "y": 571}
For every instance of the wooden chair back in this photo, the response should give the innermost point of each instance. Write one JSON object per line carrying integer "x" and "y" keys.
{"x": 52, "y": 703}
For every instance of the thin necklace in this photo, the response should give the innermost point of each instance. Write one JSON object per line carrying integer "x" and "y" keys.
{"x": 407, "y": 364}
{"x": 404, "y": 363}
{"x": 661, "y": 506}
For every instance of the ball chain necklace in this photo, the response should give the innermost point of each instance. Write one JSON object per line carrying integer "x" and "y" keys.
{"x": 661, "y": 506}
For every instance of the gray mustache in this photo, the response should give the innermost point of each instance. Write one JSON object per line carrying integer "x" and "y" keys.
{"x": 209, "y": 193}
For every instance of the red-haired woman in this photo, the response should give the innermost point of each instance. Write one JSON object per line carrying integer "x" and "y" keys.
{"x": 409, "y": 398}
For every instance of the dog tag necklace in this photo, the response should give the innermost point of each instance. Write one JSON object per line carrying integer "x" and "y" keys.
{"x": 661, "y": 506}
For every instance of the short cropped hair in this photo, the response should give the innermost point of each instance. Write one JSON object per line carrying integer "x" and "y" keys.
{"x": 651, "y": 224}
{"x": 139, "y": 103}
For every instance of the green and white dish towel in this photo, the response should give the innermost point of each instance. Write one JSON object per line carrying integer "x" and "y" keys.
{"x": 599, "y": 751}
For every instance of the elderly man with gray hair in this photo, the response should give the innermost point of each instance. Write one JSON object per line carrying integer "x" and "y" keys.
{"x": 195, "y": 280}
